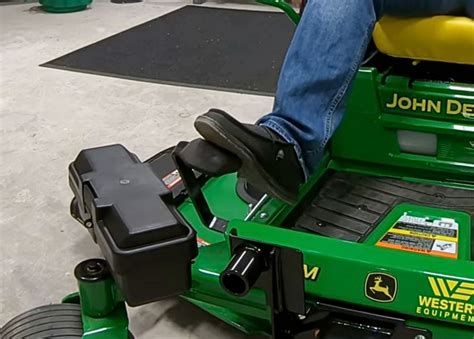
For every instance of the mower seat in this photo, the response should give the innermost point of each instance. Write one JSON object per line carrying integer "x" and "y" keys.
{"x": 439, "y": 38}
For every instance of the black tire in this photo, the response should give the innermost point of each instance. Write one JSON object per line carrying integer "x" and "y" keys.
{"x": 50, "y": 321}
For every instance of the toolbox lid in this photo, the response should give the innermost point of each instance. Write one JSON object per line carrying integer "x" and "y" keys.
{"x": 128, "y": 197}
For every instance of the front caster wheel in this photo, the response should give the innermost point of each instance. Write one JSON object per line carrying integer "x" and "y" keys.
{"x": 50, "y": 321}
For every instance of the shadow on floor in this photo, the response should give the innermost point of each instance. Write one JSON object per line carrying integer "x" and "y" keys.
{"x": 179, "y": 318}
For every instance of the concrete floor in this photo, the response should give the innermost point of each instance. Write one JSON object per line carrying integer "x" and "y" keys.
{"x": 47, "y": 117}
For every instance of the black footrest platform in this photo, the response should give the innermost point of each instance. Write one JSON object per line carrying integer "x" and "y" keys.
{"x": 209, "y": 159}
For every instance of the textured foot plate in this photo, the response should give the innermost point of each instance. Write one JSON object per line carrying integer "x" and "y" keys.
{"x": 349, "y": 206}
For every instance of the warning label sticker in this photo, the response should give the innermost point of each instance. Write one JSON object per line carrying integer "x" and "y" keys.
{"x": 431, "y": 236}
{"x": 171, "y": 179}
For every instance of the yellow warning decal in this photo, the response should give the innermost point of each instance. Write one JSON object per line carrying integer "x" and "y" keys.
{"x": 422, "y": 235}
{"x": 425, "y": 235}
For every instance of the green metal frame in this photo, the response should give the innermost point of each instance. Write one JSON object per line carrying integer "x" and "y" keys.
{"x": 336, "y": 269}
{"x": 103, "y": 310}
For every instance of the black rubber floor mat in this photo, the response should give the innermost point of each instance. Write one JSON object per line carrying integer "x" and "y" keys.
{"x": 349, "y": 206}
{"x": 213, "y": 48}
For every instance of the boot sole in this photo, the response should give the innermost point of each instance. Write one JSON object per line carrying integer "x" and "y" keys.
{"x": 213, "y": 131}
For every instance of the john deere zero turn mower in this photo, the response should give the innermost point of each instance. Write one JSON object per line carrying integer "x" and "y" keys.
{"x": 379, "y": 245}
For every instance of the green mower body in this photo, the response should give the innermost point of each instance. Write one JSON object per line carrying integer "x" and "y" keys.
{"x": 433, "y": 291}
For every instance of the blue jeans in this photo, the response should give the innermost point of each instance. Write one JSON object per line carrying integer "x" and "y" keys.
{"x": 328, "y": 46}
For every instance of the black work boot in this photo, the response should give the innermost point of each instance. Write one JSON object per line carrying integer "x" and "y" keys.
{"x": 268, "y": 162}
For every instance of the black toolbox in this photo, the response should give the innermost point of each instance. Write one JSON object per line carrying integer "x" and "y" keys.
{"x": 129, "y": 211}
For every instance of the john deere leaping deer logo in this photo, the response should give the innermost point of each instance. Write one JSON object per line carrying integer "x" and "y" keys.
{"x": 380, "y": 287}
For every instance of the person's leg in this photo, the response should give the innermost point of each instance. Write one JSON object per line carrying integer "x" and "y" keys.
{"x": 323, "y": 58}
{"x": 325, "y": 53}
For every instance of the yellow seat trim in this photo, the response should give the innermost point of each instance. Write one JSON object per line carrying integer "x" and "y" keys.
{"x": 439, "y": 38}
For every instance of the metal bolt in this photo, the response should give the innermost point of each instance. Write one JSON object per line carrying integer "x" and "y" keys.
{"x": 280, "y": 154}
{"x": 263, "y": 215}
{"x": 420, "y": 336}
{"x": 124, "y": 182}
{"x": 88, "y": 224}
{"x": 94, "y": 267}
